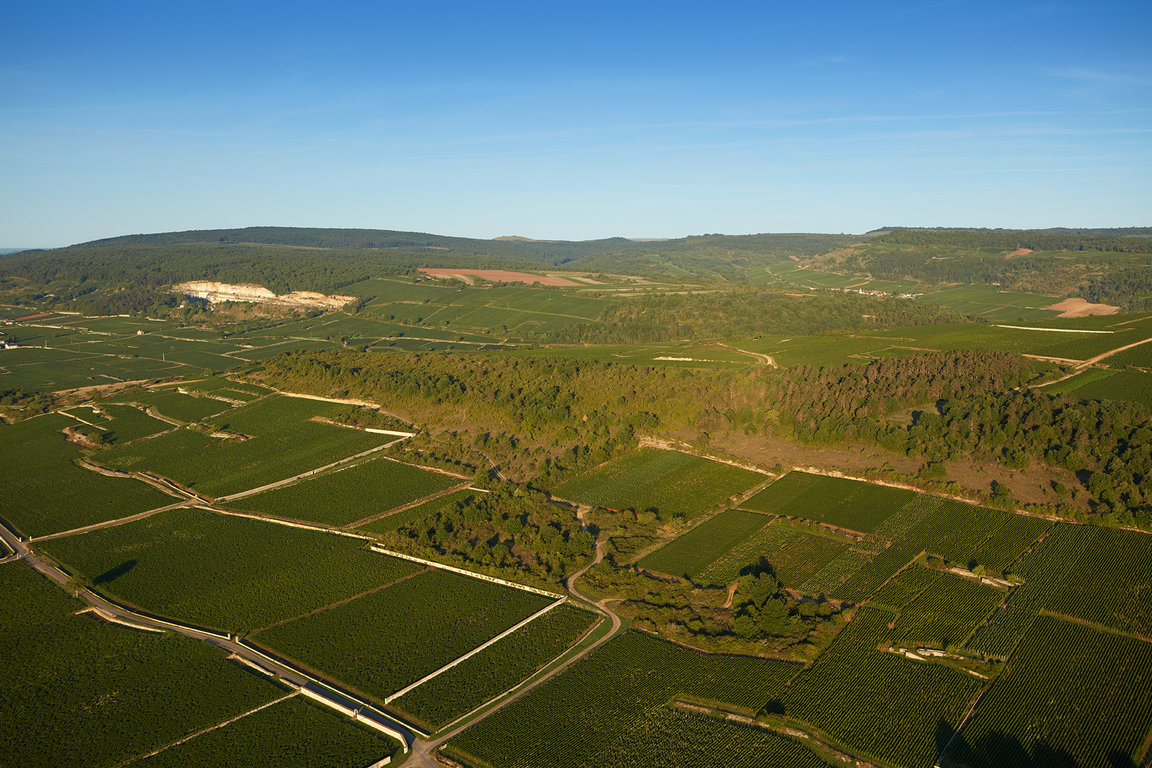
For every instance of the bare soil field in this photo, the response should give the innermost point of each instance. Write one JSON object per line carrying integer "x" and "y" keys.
{"x": 1082, "y": 308}
{"x": 500, "y": 276}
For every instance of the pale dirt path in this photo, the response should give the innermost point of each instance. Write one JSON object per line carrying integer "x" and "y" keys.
{"x": 405, "y": 507}
{"x": 1080, "y": 365}
{"x": 766, "y": 359}
{"x": 423, "y": 751}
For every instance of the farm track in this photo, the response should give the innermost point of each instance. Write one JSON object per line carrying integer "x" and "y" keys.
{"x": 423, "y": 752}
{"x": 1079, "y": 366}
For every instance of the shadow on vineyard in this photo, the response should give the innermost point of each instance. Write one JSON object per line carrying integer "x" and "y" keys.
{"x": 114, "y": 573}
{"x": 997, "y": 750}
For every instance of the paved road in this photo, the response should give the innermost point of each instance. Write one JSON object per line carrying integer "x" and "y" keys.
{"x": 280, "y": 669}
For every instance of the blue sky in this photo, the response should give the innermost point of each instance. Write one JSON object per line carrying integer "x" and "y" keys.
{"x": 575, "y": 121}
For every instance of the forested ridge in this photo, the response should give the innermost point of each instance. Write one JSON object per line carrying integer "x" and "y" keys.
{"x": 540, "y": 418}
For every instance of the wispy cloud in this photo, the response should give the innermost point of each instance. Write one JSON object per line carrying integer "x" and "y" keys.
{"x": 1089, "y": 76}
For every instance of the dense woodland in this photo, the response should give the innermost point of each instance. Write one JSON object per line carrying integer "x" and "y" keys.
{"x": 570, "y": 415}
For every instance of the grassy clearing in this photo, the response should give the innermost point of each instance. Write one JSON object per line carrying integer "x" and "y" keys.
{"x": 230, "y": 573}
{"x": 847, "y": 504}
{"x": 345, "y": 496}
{"x": 79, "y": 693}
{"x": 389, "y": 639}
{"x": 670, "y": 482}
{"x": 292, "y": 734}
{"x": 495, "y": 669}
{"x": 1093, "y": 688}
{"x": 45, "y": 492}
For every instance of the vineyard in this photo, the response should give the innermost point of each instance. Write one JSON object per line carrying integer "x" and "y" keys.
{"x": 1094, "y": 690}
{"x": 45, "y": 492}
{"x": 887, "y": 706}
{"x": 673, "y": 738}
{"x": 581, "y": 716}
{"x": 905, "y": 586}
{"x": 281, "y": 442}
{"x": 347, "y": 495}
{"x": 229, "y": 573}
{"x": 408, "y": 516}
{"x": 97, "y": 695}
{"x": 389, "y": 639}
{"x": 795, "y": 554}
{"x": 291, "y": 734}
{"x": 945, "y": 613}
{"x": 1044, "y": 570}
{"x": 695, "y": 551}
{"x": 176, "y": 405}
{"x": 115, "y": 423}
{"x": 495, "y": 669}
{"x": 674, "y": 484}
{"x": 847, "y": 504}
{"x": 1111, "y": 583}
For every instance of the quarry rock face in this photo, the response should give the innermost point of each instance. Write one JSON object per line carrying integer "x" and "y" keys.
{"x": 258, "y": 294}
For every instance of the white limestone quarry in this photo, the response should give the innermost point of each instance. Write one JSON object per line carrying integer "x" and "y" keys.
{"x": 258, "y": 294}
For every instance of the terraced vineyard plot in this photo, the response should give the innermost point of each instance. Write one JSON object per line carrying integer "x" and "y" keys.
{"x": 495, "y": 669}
{"x": 45, "y": 492}
{"x": 117, "y": 424}
{"x": 418, "y": 512}
{"x": 345, "y": 496}
{"x": 844, "y": 503}
{"x": 79, "y": 693}
{"x": 1111, "y": 584}
{"x": 291, "y": 734}
{"x": 696, "y": 550}
{"x": 175, "y": 405}
{"x": 230, "y": 573}
{"x": 795, "y": 555}
{"x": 882, "y": 704}
{"x": 579, "y": 717}
{"x": 233, "y": 390}
{"x": 282, "y": 443}
{"x": 1071, "y": 696}
{"x": 389, "y": 639}
{"x": 673, "y": 738}
{"x": 945, "y": 613}
{"x": 673, "y": 483}
{"x": 1044, "y": 569}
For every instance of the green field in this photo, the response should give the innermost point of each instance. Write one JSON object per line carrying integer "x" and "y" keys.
{"x": 389, "y": 639}
{"x": 673, "y": 738}
{"x": 347, "y": 495}
{"x": 906, "y": 586}
{"x": 1070, "y": 696}
{"x": 111, "y": 423}
{"x": 46, "y": 492}
{"x": 291, "y": 734}
{"x": 694, "y": 551}
{"x": 80, "y": 693}
{"x": 795, "y": 554}
{"x": 496, "y": 669}
{"x": 883, "y": 705}
{"x": 587, "y": 713}
{"x": 945, "y": 613}
{"x": 1133, "y": 386}
{"x": 175, "y": 405}
{"x": 670, "y": 482}
{"x": 843, "y": 503}
{"x": 281, "y": 442}
{"x": 418, "y": 512}
{"x": 229, "y": 573}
